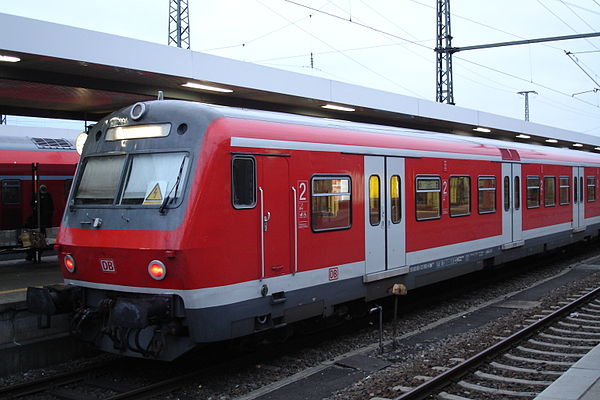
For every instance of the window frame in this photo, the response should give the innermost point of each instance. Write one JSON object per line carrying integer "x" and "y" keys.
{"x": 118, "y": 188}
{"x": 517, "y": 192}
{"x": 18, "y": 185}
{"x": 312, "y": 194}
{"x": 506, "y": 195}
{"x": 539, "y": 189}
{"x": 450, "y": 196}
{"x": 378, "y": 201}
{"x": 480, "y": 189}
{"x": 587, "y": 188}
{"x": 123, "y": 177}
{"x": 399, "y": 199}
{"x": 128, "y": 167}
{"x": 438, "y": 191}
{"x": 553, "y": 178}
{"x": 568, "y": 191}
{"x": 233, "y": 203}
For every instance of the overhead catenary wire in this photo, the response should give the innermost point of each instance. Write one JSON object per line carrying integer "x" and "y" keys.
{"x": 580, "y": 7}
{"x": 349, "y": 20}
{"x": 563, "y": 21}
{"x": 341, "y": 53}
{"x": 524, "y": 80}
{"x": 577, "y": 15}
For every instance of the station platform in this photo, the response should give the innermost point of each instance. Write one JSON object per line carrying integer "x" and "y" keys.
{"x": 580, "y": 382}
{"x": 17, "y": 273}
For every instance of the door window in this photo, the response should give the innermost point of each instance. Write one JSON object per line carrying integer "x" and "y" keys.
{"x": 396, "y": 211}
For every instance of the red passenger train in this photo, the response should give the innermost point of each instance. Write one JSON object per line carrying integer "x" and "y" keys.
{"x": 192, "y": 223}
{"x": 32, "y": 163}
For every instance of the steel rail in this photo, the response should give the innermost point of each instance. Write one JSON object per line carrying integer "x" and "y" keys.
{"x": 436, "y": 384}
{"x": 47, "y": 382}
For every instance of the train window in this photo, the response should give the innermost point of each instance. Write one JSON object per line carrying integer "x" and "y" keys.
{"x": 506, "y": 193}
{"x": 330, "y": 203}
{"x": 549, "y": 191}
{"x": 591, "y": 188}
{"x": 460, "y": 196}
{"x": 564, "y": 190}
{"x": 428, "y": 198}
{"x": 152, "y": 178}
{"x": 11, "y": 192}
{"x": 243, "y": 182}
{"x": 533, "y": 191}
{"x": 575, "y": 192}
{"x": 100, "y": 180}
{"x": 517, "y": 193}
{"x": 396, "y": 202}
{"x": 374, "y": 200}
{"x": 581, "y": 189}
{"x": 486, "y": 194}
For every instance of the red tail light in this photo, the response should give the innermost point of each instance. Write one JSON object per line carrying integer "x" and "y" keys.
{"x": 69, "y": 263}
{"x": 157, "y": 270}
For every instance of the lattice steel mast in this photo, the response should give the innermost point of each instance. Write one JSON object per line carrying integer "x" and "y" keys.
{"x": 179, "y": 23}
{"x": 444, "y": 85}
{"x": 526, "y": 94}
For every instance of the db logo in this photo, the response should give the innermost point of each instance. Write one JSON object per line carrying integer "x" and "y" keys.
{"x": 334, "y": 273}
{"x": 107, "y": 265}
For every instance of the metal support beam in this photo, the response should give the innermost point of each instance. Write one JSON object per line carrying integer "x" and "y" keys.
{"x": 519, "y": 42}
{"x": 444, "y": 84}
{"x": 2, "y": 119}
{"x": 179, "y": 23}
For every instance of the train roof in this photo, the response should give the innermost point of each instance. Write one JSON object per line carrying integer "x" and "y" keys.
{"x": 26, "y": 145}
{"x": 418, "y": 140}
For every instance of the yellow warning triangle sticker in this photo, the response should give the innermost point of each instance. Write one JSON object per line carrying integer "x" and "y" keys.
{"x": 155, "y": 195}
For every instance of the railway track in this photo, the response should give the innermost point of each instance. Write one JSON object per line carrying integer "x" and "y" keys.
{"x": 525, "y": 363}
{"x": 89, "y": 383}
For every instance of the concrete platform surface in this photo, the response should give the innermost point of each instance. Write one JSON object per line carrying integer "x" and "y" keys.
{"x": 16, "y": 275}
{"x": 580, "y": 382}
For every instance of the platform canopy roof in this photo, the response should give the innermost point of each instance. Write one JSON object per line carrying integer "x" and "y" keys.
{"x": 67, "y": 72}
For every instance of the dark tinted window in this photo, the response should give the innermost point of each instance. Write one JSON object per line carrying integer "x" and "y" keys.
{"x": 11, "y": 192}
{"x": 243, "y": 182}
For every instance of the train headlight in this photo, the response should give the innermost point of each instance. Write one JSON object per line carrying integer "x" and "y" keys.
{"x": 69, "y": 263}
{"x": 157, "y": 270}
{"x": 80, "y": 141}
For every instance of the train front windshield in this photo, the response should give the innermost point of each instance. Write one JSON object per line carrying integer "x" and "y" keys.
{"x": 152, "y": 179}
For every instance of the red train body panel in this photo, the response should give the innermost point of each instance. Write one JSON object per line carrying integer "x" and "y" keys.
{"x": 51, "y": 161}
{"x": 212, "y": 223}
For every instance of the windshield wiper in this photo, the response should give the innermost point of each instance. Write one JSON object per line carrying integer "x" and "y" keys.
{"x": 175, "y": 187}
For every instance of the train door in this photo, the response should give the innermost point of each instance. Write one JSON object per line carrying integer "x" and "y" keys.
{"x": 385, "y": 244}
{"x": 275, "y": 215}
{"x": 512, "y": 216}
{"x": 578, "y": 199}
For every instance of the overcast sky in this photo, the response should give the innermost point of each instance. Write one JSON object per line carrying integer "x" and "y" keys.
{"x": 384, "y": 44}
